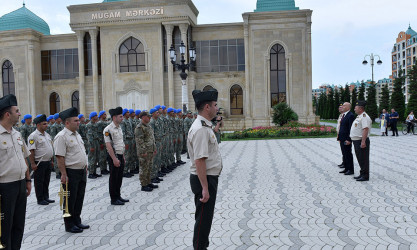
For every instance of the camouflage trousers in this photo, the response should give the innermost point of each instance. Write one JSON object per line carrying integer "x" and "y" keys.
{"x": 164, "y": 151}
{"x": 184, "y": 142}
{"x": 178, "y": 148}
{"x": 156, "y": 161}
{"x": 129, "y": 156}
{"x": 102, "y": 160}
{"x": 135, "y": 155}
{"x": 93, "y": 156}
{"x": 146, "y": 163}
{"x": 172, "y": 146}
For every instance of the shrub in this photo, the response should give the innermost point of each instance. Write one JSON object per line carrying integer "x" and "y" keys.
{"x": 282, "y": 114}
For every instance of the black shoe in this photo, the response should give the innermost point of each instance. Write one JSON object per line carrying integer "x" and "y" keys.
{"x": 155, "y": 180}
{"x": 43, "y": 203}
{"x": 159, "y": 179}
{"x": 188, "y": 157}
{"x": 362, "y": 179}
{"x": 127, "y": 175}
{"x": 74, "y": 229}
{"x": 105, "y": 172}
{"x": 134, "y": 171}
{"x": 153, "y": 186}
{"x": 82, "y": 226}
{"x": 117, "y": 203}
{"x": 123, "y": 200}
{"x": 146, "y": 188}
{"x": 343, "y": 171}
{"x": 182, "y": 162}
{"x": 161, "y": 175}
{"x": 97, "y": 175}
{"x": 92, "y": 176}
{"x": 49, "y": 201}
{"x": 349, "y": 172}
{"x": 341, "y": 165}
{"x": 357, "y": 177}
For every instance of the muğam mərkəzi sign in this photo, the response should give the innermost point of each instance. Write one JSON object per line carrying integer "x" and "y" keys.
{"x": 128, "y": 13}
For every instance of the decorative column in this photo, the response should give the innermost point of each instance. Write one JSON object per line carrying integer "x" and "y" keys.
{"x": 309, "y": 73}
{"x": 168, "y": 29}
{"x": 184, "y": 38}
{"x": 248, "y": 101}
{"x": 81, "y": 73}
{"x": 93, "y": 35}
{"x": 32, "y": 86}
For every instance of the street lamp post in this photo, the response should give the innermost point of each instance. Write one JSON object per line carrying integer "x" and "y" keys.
{"x": 372, "y": 58}
{"x": 183, "y": 67}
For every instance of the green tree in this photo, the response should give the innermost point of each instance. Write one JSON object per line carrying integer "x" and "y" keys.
{"x": 341, "y": 94}
{"x": 336, "y": 106}
{"x": 397, "y": 101}
{"x": 282, "y": 114}
{"x": 354, "y": 99}
{"x": 412, "y": 89}
{"x": 347, "y": 93}
{"x": 361, "y": 94}
{"x": 330, "y": 104}
{"x": 371, "y": 107}
{"x": 322, "y": 105}
{"x": 384, "y": 100}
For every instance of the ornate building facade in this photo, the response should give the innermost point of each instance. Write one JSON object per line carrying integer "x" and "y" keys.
{"x": 118, "y": 55}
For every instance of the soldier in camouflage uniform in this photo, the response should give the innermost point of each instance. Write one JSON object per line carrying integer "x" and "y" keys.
{"x": 128, "y": 139}
{"x": 102, "y": 160}
{"x": 51, "y": 122}
{"x": 133, "y": 123}
{"x": 172, "y": 139}
{"x": 187, "y": 125}
{"x": 26, "y": 129}
{"x": 146, "y": 150}
{"x": 165, "y": 140}
{"x": 55, "y": 129}
{"x": 82, "y": 130}
{"x": 93, "y": 145}
{"x": 180, "y": 134}
{"x": 156, "y": 167}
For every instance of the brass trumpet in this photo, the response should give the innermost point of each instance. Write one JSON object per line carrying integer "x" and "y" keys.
{"x": 63, "y": 194}
{"x": 1, "y": 218}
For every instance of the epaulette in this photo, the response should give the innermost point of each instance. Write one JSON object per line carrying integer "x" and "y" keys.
{"x": 204, "y": 124}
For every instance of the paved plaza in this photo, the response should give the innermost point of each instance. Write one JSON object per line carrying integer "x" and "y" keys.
{"x": 273, "y": 194}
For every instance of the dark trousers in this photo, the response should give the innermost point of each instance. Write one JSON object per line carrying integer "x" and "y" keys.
{"x": 341, "y": 149}
{"x": 362, "y": 154}
{"x": 116, "y": 177}
{"x": 410, "y": 127}
{"x": 347, "y": 156}
{"x": 13, "y": 207}
{"x": 203, "y": 211}
{"x": 42, "y": 176}
{"x": 394, "y": 127}
{"x": 77, "y": 180}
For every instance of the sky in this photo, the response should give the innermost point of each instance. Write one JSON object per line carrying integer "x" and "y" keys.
{"x": 343, "y": 31}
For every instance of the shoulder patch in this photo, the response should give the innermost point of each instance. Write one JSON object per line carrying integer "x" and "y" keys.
{"x": 31, "y": 142}
{"x": 204, "y": 124}
{"x": 107, "y": 134}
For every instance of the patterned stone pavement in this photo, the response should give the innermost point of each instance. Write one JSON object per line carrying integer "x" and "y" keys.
{"x": 273, "y": 194}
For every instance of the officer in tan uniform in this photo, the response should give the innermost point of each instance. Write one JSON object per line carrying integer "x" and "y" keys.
{"x": 15, "y": 183}
{"x": 359, "y": 133}
{"x": 113, "y": 137}
{"x": 41, "y": 149}
{"x": 206, "y": 165}
{"x": 72, "y": 162}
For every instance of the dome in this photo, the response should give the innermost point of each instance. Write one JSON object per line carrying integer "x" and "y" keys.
{"x": 410, "y": 31}
{"x": 23, "y": 18}
{"x": 275, "y": 5}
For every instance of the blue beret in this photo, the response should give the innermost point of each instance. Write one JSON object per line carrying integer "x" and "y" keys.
{"x": 157, "y": 107}
{"x": 101, "y": 113}
{"x": 49, "y": 118}
{"x": 23, "y": 121}
{"x": 125, "y": 111}
{"x": 152, "y": 111}
{"x": 169, "y": 110}
{"x": 92, "y": 114}
{"x": 56, "y": 116}
{"x": 39, "y": 115}
{"x": 163, "y": 107}
{"x": 137, "y": 112}
{"x": 80, "y": 116}
{"x": 131, "y": 111}
{"x": 27, "y": 117}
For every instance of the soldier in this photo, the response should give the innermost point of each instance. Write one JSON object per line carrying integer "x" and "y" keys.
{"x": 113, "y": 136}
{"x": 359, "y": 133}
{"x": 83, "y": 130}
{"x": 172, "y": 139}
{"x": 93, "y": 143}
{"x": 164, "y": 143}
{"x": 146, "y": 150}
{"x": 187, "y": 125}
{"x": 41, "y": 149}
{"x": 26, "y": 129}
{"x": 195, "y": 116}
{"x": 128, "y": 138}
{"x": 133, "y": 124}
{"x": 72, "y": 162}
{"x": 55, "y": 129}
{"x": 158, "y": 137}
{"x": 101, "y": 125}
{"x": 50, "y": 121}
{"x": 180, "y": 135}
{"x": 15, "y": 182}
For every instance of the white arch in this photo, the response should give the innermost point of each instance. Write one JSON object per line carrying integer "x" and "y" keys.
{"x": 277, "y": 42}
{"x": 127, "y": 36}
{"x": 49, "y": 100}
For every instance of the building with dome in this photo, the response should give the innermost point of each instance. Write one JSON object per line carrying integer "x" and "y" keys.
{"x": 118, "y": 54}
{"x": 404, "y": 56}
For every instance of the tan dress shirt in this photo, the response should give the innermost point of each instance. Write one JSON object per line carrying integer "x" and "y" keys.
{"x": 114, "y": 135}
{"x": 71, "y": 146}
{"x": 13, "y": 151}
{"x": 202, "y": 143}
{"x": 362, "y": 121}
{"x": 42, "y": 144}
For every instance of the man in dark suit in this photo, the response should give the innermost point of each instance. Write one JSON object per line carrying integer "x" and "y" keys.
{"x": 343, "y": 136}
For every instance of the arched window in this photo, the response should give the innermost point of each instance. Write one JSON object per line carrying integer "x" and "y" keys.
{"x": 236, "y": 100}
{"x": 88, "y": 56}
{"x": 278, "y": 75}
{"x": 208, "y": 87}
{"x": 132, "y": 56}
{"x": 7, "y": 78}
{"x": 75, "y": 100}
{"x": 54, "y": 103}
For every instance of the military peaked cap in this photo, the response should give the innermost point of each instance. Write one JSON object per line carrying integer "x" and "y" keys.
{"x": 361, "y": 103}
{"x": 68, "y": 113}
{"x": 39, "y": 119}
{"x": 116, "y": 111}
{"x": 204, "y": 96}
{"x": 8, "y": 101}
